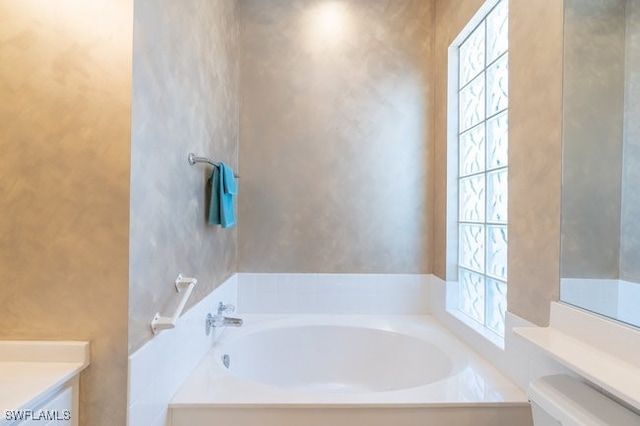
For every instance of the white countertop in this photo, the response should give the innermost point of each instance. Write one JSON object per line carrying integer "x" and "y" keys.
{"x": 30, "y": 370}
{"x": 602, "y": 351}
{"x": 603, "y": 368}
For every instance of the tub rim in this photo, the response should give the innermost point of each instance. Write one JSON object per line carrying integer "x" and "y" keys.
{"x": 209, "y": 384}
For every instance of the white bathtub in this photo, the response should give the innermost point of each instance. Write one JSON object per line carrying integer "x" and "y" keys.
{"x": 316, "y": 370}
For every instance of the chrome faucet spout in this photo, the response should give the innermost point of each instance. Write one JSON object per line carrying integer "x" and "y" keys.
{"x": 220, "y": 320}
{"x": 231, "y": 322}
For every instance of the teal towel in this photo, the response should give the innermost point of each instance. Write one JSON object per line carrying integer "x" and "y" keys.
{"x": 228, "y": 189}
{"x": 214, "y": 202}
{"x": 223, "y": 188}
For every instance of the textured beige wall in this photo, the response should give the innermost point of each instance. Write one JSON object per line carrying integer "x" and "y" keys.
{"x": 336, "y": 136}
{"x": 185, "y": 99}
{"x": 451, "y": 18}
{"x": 535, "y": 123}
{"x": 65, "y": 85}
{"x": 594, "y": 92}
{"x": 535, "y": 143}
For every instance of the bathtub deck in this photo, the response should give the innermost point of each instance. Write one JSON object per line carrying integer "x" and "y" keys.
{"x": 476, "y": 395}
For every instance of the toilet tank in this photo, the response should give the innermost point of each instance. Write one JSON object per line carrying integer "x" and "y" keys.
{"x": 562, "y": 400}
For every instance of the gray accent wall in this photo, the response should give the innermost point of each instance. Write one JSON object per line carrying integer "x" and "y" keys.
{"x": 336, "y": 136}
{"x": 185, "y": 98}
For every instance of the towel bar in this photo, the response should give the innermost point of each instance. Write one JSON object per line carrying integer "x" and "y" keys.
{"x": 185, "y": 286}
{"x": 193, "y": 160}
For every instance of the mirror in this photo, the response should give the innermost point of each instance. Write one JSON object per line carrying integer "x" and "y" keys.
{"x": 600, "y": 248}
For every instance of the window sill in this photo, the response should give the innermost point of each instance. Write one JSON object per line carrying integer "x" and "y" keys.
{"x": 488, "y": 335}
{"x": 467, "y": 325}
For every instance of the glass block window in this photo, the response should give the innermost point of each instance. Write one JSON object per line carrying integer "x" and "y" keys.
{"x": 483, "y": 99}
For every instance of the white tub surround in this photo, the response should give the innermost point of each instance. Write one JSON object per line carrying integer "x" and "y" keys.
{"x": 40, "y": 378}
{"x": 158, "y": 369}
{"x": 600, "y": 350}
{"x": 400, "y": 386}
{"x": 333, "y": 293}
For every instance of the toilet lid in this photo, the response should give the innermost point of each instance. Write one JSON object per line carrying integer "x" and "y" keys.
{"x": 572, "y": 402}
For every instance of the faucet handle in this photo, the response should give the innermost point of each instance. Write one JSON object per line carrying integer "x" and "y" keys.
{"x": 225, "y": 308}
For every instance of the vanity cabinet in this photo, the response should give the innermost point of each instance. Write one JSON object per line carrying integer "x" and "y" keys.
{"x": 59, "y": 408}
{"x": 39, "y": 382}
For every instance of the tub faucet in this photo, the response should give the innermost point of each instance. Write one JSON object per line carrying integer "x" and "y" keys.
{"x": 219, "y": 320}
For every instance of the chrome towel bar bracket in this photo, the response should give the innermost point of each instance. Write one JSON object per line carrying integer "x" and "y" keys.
{"x": 193, "y": 159}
